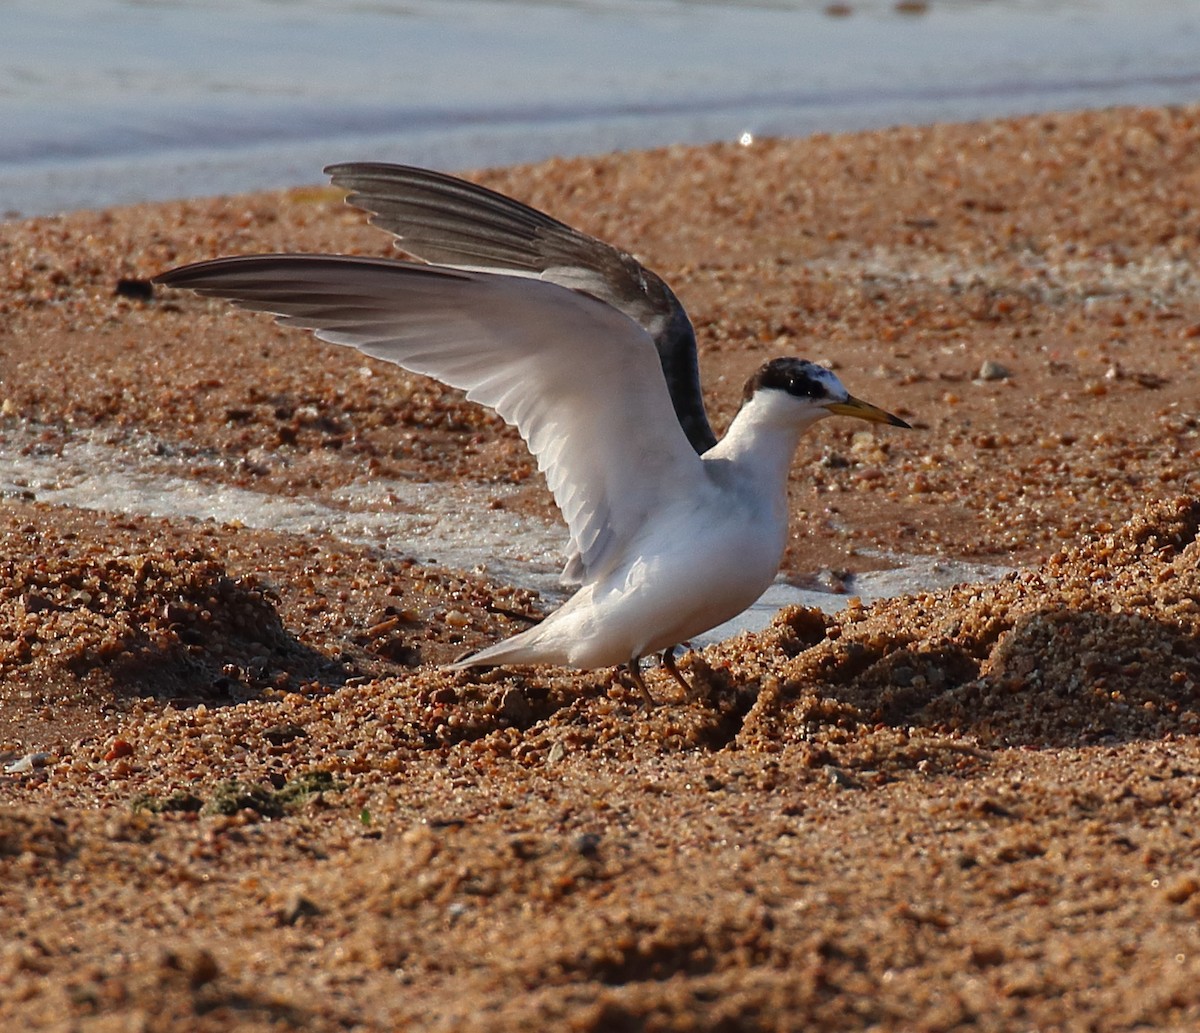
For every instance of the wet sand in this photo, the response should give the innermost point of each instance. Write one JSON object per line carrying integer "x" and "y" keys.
{"x": 243, "y": 797}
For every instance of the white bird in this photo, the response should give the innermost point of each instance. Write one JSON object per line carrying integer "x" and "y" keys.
{"x": 593, "y": 359}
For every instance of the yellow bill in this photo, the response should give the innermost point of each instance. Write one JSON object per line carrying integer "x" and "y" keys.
{"x": 865, "y": 411}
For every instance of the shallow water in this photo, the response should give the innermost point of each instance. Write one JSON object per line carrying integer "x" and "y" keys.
{"x": 111, "y": 101}
{"x": 451, "y": 524}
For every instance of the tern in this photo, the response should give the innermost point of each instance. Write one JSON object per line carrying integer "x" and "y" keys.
{"x": 592, "y": 358}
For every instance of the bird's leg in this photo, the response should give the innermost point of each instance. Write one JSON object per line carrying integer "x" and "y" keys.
{"x": 668, "y": 661}
{"x": 634, "y": 667}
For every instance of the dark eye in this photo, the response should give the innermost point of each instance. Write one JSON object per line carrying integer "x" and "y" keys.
{"x": 806, "y": 387}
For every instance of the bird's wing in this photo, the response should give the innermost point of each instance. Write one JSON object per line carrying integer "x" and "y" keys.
{"x": 448, "y": 221}
{"x": 575, "y": 376}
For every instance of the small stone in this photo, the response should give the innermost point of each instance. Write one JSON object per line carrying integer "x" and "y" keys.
{"x": 277, "y": 735}
{"x": 28, "y": 763}
{"x": 296, "y": 907}
{"x": 1182, "y": 888}
{"x": 515, "y": 707}
{"x": 587, "y": 844}
{"x": 992, "y": 370}
{"x": 119, "y": 748}
{"x": 986, "y": 955}
{"x": 841, "y": 778}
{"x": 135, "y": 288}
{"x": 196, "y": 964}
{"x": 384, "y": 627}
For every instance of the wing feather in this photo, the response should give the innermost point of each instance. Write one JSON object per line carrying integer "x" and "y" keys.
{"x": 451, "y": 222}
{"x": 576, "y": 377}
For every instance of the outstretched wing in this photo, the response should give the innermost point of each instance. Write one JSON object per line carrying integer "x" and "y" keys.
{"x": 575, "y": 376}
{"x": 448, "y": 221}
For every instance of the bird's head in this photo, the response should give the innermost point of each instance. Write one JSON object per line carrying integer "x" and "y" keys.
{"x": 804, "y": 392}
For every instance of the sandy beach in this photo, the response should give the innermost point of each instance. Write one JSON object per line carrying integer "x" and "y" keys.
{"x": 237, "y": 792}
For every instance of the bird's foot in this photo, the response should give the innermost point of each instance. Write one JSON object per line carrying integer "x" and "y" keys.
{"x": 634, "y": 670}
{"x": 667, "y": 660}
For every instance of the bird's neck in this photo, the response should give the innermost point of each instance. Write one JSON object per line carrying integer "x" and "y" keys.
{"x": 762, "y": 440}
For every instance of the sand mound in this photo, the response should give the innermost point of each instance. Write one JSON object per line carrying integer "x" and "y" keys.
{"x": 1098, "y": 645}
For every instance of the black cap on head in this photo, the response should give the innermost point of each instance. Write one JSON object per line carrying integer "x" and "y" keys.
{"x": 795, "y": 376}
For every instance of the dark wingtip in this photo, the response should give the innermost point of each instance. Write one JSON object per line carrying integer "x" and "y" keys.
{"x": 181, "y": 274}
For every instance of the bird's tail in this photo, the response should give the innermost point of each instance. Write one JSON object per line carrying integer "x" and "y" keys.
{"x": 526, "y": 647}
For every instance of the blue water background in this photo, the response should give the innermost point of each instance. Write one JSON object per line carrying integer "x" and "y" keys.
{"x": 113, "y": 101}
